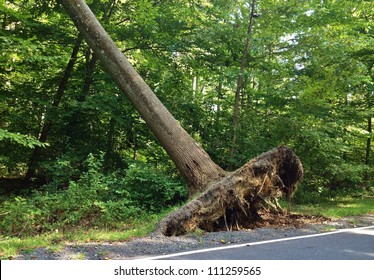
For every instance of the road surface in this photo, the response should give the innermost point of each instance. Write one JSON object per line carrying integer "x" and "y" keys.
{"x": 347, "y": 244}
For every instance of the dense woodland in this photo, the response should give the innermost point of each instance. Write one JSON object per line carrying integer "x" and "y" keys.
{"x": 242, "y": 77}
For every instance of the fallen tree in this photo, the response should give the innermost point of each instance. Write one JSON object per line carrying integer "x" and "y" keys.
{"x": 225, "y": 200}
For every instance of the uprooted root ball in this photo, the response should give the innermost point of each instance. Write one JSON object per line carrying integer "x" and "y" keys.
{"x": 235, "y": 202}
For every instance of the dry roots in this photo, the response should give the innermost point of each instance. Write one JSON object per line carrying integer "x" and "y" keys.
{"x": 234, "y": 202}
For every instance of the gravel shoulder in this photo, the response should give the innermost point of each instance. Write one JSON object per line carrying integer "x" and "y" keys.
{"x": 153, "y": 245}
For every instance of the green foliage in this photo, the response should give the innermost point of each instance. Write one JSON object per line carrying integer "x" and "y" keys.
{"x": 18, "y": 142}
{"x": 23, "y": 140}
{"x": 19, "y": 217}
{"x": 95, "y": 199}
{"x": 152, "y": 190}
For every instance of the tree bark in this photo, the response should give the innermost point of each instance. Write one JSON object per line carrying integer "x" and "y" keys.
{"x": 191, "y": 160}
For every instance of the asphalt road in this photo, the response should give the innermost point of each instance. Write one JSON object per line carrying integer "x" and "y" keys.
{"x": 347, "y": 244}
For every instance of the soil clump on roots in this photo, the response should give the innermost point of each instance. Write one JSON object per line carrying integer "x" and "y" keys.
{"x": 240, "y": 200}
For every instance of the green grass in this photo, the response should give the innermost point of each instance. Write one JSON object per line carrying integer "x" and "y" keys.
{"x": 338, "y": 207}
{"x": 10, "y": 246}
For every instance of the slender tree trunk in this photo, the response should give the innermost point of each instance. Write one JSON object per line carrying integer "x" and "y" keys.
{"x": 368, "y": 148}
{"x": 56, "y": 102}
{"x": 368, "y": 152}
{"x": 191, "y": 160}
{"x": 240, "y": 81}
{"x": 109, "y": 144}
{"x": 91, "y": 62}
{"x": 368, "y": 142}
{"x": 195, "y": 86}
{"x": 219, "y": 97}
{"x": 77, "y": 128}
{"x": 369, "y": 129}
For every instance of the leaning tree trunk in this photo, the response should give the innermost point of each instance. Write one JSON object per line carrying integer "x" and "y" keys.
{"x": 226, "y": 202}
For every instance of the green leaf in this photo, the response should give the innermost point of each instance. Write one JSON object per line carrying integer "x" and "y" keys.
{"x": 24, "y": 140}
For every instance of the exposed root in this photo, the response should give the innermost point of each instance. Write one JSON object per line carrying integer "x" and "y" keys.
{"x": 235, "y": 201}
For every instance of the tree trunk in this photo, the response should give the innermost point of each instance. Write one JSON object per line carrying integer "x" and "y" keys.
{"x": 240, "y": 81}
{"x": 219, "y": 100}
{"x": 56, "y": 102}
{"x": 369, "y": 129}
{"x": 77, "y": 128}
{"x": 368, "y": 142}
{"x": 368, "y": 151}
{"x": 109, "y": 145}
{"x": 191, "y": 160}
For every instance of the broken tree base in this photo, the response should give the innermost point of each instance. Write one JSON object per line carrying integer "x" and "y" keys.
{"x": 235, "y": 202}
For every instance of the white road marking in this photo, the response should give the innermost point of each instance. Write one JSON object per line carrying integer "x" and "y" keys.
{"x": 256, "y": 243}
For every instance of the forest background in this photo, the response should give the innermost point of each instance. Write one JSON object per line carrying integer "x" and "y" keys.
{"x": 242, "y": 77}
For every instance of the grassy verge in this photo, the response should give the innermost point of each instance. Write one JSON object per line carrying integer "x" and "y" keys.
{"x": 338, "y": 207}
{"x": 10, "y": 246}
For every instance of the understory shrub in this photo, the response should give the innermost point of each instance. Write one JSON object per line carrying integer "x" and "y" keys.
{"x": 95, "y": 199}
{"x": 151, "y": 190}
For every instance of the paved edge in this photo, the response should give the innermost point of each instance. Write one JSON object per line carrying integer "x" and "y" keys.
{"x": 255, "y": 243}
